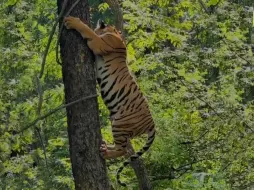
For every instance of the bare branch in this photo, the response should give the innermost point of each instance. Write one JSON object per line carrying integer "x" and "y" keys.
{"x": 55, "y": 110}
{"x": 50, "y": 38}
{"x": 43, "y": 146}
{"x": 40, "y": 94}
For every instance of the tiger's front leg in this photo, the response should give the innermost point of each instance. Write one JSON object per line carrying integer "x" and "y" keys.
{"x": 94, "y": 42}
{"x": 75, "y": 23}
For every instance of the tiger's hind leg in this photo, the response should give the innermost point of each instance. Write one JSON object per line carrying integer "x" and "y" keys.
{"x": 117, "y": 150}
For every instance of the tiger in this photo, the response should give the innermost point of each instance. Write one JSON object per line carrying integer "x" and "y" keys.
{"x": 129, "y": 111}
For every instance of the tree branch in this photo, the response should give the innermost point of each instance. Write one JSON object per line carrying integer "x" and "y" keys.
{"x": 55, "y": 110}
{"x": 140, "y": 170}
{"x": 203, "y": 6}
{"x": 40, "y": 94}
{"x": 50, "y": 38}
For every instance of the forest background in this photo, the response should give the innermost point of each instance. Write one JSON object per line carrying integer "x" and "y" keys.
{"x": 194, "y": 61}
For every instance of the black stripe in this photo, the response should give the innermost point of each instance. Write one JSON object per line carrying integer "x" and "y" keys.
{"x": 117, "y": 51}
{"x": 121, "y": 69}
{"x": 150, "y": 143}
{"x": 134, "y": 158}
{"x": 124, "y": 77}
{"x": 107, "y": 43}
{"x": 114, "y": 71}
{"x": 128, "y": 107}
{"x": 115, "y": 58}
{"x": 152, "y": 136}
{"x": 111, "y": 98}
{"x": 119, "y": 135}
{"x": 137, "y": 123}
{"x": 143, "y": 123}
{"x": 121, "y": 92}
{"x": 140, "y": 103}
{"x": 136, "y": 87}
{"x": 113, "y": 112}
{"x": 104, "y": 71}
{"x": 146, "y": 148}
{"x": 102, "y": 50}
{"x": 141, "y": 130}
{"x": 134, "y": 98}
{"x": 127, "y": 94}
{"x": 126, "y": 115}
{"x": 116, "y": 130}
{"x": 104, "y": 84}
{"x": 134, "y": 116}
{"x": 139, "y": 153}
{"x": 100, "y": 68}
{"x": 105, "y": 77}
{"x": 99, "y": 80}
{"x": 111, "y": 35}
{"x": 125, "y": 102}
{"x": 150, "y": 119}
{"x": 120, "y": 48}
{"x": 122, "y": 61}
{"x": 110, "y": 88}
{"x": 112, "y": 47}
{"x": 120, "y": 141}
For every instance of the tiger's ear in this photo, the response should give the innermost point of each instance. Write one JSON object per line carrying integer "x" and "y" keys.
{"x": 101, "y": 24}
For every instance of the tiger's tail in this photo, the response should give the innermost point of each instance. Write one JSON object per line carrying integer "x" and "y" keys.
{"x": 151, "y": 136}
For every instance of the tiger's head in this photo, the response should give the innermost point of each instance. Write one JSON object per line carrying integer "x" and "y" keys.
{"x": 103, "y": 28}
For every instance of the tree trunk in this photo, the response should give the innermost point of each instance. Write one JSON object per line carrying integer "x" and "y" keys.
{"x": 88, "y": 167}
{"x": 114, "y": 4}
{"x": 140, "y": 171}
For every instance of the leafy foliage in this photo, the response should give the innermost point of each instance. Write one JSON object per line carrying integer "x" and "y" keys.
{"x": 192, "y": 59}
{"x": 194, "y": 63}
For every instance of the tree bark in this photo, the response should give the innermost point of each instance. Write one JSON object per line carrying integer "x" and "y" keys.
{"x": 88, "y": 167}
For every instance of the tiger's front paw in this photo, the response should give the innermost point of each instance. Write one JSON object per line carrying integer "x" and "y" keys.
{"x": 103, "y": 149}
{"x": 72, "y": 22}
